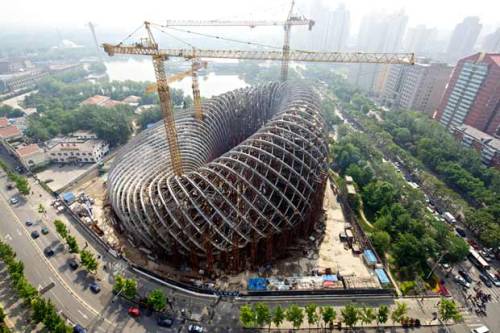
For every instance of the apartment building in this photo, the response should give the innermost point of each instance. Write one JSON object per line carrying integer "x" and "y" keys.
{"x": 77, "y": 149}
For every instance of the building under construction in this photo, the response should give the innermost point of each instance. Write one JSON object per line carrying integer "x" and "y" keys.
{"x": 254, "y": 172}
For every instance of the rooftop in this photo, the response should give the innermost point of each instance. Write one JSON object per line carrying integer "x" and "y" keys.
{"x": 95, "y": 100}
{"x": 4, "y": 122}
{"x": 28, "y": 150}
{"x": 9, "y": 132}
{"x": 480, "y": 135}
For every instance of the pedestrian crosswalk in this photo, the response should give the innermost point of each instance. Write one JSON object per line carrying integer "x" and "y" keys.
{"x": 470, "y": 318}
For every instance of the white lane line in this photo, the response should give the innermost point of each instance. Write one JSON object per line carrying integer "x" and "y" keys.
{"x": 83, "y": 314}
{"x": 64, "y": 284}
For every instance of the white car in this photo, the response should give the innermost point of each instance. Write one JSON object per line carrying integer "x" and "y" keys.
{"x": 460, "y": 280}
{"x": 481, "y": 329}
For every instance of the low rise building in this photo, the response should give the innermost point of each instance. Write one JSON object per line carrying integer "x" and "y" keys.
{"x": 487, "y": 145}
{"x": 10, "y": 133}
{"x": 84, "y": 148}
{"x": 4, "y": 122}
{"x": 99, "y": 100}
{"x": 132, "y": 100}
{"x": 31, "y": 155}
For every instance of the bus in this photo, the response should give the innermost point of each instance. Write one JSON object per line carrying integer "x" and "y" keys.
{"x": 477, "y": 259}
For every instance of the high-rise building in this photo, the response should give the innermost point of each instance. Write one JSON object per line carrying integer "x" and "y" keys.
{"x": 491, "y": 42}
{"x": 331, "y": 28}
{"x": 463, "y": 38}
{"x": 419, "y": 87}
{"x": 420, "y": 40}
{"x": 473, "y": 95}
{"x": 378, "y": 33}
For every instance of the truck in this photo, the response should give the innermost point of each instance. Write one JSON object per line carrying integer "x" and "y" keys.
{"x": 449, "y": 218}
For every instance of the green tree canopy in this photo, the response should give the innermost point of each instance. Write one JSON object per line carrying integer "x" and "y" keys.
{"x": 295, "y": 315}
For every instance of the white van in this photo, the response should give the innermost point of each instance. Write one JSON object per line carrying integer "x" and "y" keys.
{"x": 481, "y": 329}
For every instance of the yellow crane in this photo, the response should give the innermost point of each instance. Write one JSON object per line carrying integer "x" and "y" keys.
{"x": 290, "y": 21}
{"x": 148, "y": 47}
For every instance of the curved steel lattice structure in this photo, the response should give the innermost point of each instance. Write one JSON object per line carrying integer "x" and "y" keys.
{"x": 254, "y": 171}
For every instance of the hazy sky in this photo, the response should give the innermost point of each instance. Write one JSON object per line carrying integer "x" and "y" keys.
{"x": 127, "y": 14}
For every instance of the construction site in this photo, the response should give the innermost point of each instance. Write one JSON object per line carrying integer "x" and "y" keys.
{"x": 233, "y": 186}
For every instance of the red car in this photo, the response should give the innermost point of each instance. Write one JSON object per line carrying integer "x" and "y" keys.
{"x": 134, "y": 311}
{"x": 474, "y": 244}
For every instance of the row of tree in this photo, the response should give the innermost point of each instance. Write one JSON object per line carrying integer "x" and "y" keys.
{"x": 87, "y": 258}
{"x": 21, "y": 182}
{"x": 41, "y": 310}
{"x": 261, "y": 315}
{"x": 127, "y": 288}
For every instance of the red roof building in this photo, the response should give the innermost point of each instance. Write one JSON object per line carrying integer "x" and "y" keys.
{"x": 4, "y": 122}
{"x": 10, "y": 133}
{"x": 473, "y": 95}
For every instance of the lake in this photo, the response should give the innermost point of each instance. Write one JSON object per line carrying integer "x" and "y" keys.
{"x": 210, "y": 85}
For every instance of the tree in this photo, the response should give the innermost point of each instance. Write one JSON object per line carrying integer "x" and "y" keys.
{"x": 367, "y": 315}
{"x": 88, "y": 260}
{"x": 399, "y": 313}
{"x": 22, "y": 185}
{"x": 295, "y": 315}
{"x": 41, "y": 209}
{"x": 350, "y": 314}
{"x": 2, "y": 315}
{"x": 312, "y": 314}
{"x": 278, "y": 316}
{"x": 328, "y": 315}
{"x": 61, "y": 228}
{"x": 262, "y": 314}
{"x": 381, "y": 241}
{"x": 127, "y": 287}
{"x": 448, "y": 310}
{"x": 382, "y": 314}
{"x": 157, "y": 300}
{"x": 39, "y": 309}
{"x": 72, "y": 244}
{"x": 378, "y": 194}
{"x": 247, "y": 316}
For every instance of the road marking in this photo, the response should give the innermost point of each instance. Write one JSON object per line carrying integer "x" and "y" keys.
{"x": 64, "y": 284}
{"x": 83, "y": 314}
{"x": 8, "y": 237}
{"x": 19, "y": 232}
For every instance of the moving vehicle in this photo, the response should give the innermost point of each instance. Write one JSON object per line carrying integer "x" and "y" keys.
{"x": 474, "y": 244}
{"x": 35, "y": 234}
{"x": 28, "y": 223}
{"x": 79, "y": 329}
{"x": 95, "y": 288}
{"x": 49, "y": 252}
{"x": 460, "y": 280}
{"x": 478, "y": 260}
{"x": 14, "y": 200}
{"x": 460, "y": 232}
{"x": 485, "y": 280}
{"x": 480, "y": 329}
{"x": 449, "y": 218}
{"x": 165, "y": 321}
{"x": 465, "y": 276}
{"x": 45, "y": 230}
{"x": 492, "y": 278}
{"x": 195, "y": 329}
{"x": 134, "y": 311}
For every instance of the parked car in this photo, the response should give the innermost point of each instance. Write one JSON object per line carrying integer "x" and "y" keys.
{"x": 35, "y": 234}
{"x": 28, "y": 223}
{"x": 164, "y": 321}
{"x": 73, "y": 264}
{"x": 45, "y": 230}
{"x": 49, "y": 251}
{"x": 460, "y": 232}
{"x": 195, "y": 329}
{"x": 485, "y": 280}
{"x": 95, "y": 288}
{"x": 460, "y": 280}
{"x": 134, "y": 311}
{"x": 14, "y": 200}
{"x": 465, "y": 276}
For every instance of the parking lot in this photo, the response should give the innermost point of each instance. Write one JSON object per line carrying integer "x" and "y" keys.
{"x": 57, "y": 177}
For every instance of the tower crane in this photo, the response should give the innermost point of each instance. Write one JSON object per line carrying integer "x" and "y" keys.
{"x": 290, "y": 21}
{"x": 148, "y": 47}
